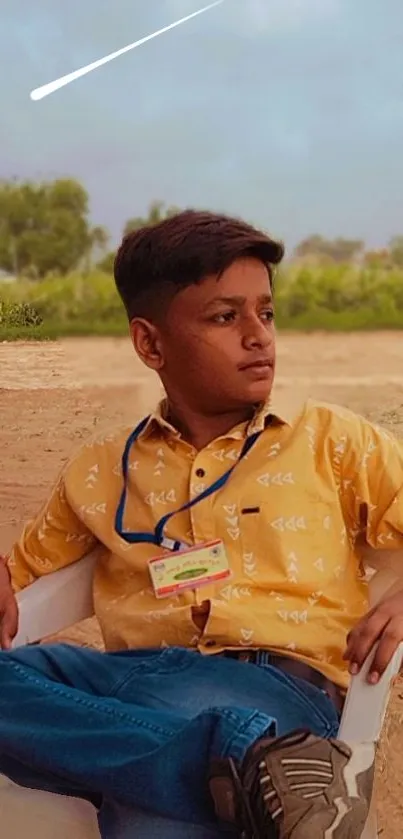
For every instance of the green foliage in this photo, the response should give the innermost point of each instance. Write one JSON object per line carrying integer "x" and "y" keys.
{"x": 105, "y": 265}
{"x": 81, "y": 298}
{"x": 48, "y": 242}
{"x": 17, "y": 315}
{"x": 339, "y": 250}
{"x": 323, "y": 298}
{"x": 45, "y": 227}
{"x": 157, "y": 212}
{"x": 340, "y": 297}
{"x": 396, "y": 250}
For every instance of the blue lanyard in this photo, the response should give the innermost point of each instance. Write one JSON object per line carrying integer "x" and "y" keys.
{"x": 158, "y": 538}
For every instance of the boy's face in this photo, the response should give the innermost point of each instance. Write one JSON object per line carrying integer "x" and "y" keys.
{"x": 215, "y": 349}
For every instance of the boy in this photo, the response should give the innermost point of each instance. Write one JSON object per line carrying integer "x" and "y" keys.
{"x": 218, "y": 704}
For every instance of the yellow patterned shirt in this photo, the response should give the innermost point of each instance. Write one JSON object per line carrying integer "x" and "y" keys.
{"x": 289, "y": 517}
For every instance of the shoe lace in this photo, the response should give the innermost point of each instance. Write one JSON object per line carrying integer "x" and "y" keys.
{"x": 255, "y": 812}
{"x": 251, "y": 829}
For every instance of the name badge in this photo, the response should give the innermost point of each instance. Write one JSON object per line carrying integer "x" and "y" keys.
{"x": 190, "y": 568}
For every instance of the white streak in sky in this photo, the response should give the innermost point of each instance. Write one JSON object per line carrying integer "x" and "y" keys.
{"x": 52, "y": 87}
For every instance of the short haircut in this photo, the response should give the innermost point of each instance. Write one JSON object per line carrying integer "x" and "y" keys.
{"x": 156, "y": 262}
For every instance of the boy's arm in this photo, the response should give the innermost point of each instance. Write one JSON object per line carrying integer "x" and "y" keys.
{"x": 54, "y": 539}
{"x": 371, "y": 483}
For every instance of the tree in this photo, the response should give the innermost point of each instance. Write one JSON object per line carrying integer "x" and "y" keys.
{"x": 312, "y": 246}
{"x": 396, "y": 251}
{"x": 340, "y": 250}
{"x": 378, "y": 260}
{"x": 98, "y": 239}
{"x": 45, "y": 227}
{"x": 156, "y": 212}
{"x": 106, "y": 263}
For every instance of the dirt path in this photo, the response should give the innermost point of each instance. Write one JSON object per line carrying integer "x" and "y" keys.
{"x": 53, "y": 396}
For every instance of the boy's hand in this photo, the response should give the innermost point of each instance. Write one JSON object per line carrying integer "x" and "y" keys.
{"x": 8, "y": 608}
{"x": 384, "y": 623}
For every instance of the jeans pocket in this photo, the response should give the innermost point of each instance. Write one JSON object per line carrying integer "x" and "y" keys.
{"x": 153, "y": 662}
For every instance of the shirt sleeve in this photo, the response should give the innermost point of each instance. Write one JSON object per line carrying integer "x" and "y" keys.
{"x": 371, "y": 481}
{"x": 54, "y": 539}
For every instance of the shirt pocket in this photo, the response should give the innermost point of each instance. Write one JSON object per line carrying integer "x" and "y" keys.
{"x": 289, "y": 541}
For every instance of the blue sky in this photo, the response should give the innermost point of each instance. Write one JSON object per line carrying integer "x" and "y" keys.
{"x": 288, "y": 112}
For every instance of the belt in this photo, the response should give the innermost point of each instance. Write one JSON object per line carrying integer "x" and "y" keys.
{"x": 294, "y": 668}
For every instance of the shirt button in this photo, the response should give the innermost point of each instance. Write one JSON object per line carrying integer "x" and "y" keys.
{"x": 200, "y": 473}
{"x": 211, "y": 643}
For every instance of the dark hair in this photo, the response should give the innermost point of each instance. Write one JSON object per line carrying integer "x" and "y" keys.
{"x": 156, "y": 262}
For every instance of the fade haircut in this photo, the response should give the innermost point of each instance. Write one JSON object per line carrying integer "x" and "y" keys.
{"x": 156, "y": 262}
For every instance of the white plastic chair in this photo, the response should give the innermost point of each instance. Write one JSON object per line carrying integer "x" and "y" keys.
{"x": 64, "y": 598}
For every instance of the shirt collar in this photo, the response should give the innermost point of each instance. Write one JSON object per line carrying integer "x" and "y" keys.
{"x": 270, "y": 408}
{"x": 158, "y": 423}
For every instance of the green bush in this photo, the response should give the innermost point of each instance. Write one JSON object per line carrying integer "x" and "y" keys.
{"x": 340, "y": 297}
{"x": 18, "y": 314}
{"x": 308, "y": 298}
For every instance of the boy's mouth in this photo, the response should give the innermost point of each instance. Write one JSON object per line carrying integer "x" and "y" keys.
{"x": 258, "y": 364}
{"x": 259, "y": 370}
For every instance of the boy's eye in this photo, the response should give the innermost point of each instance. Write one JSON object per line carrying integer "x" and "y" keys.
{"x": 228, "y": 317}
{"x": 224, "y": 317}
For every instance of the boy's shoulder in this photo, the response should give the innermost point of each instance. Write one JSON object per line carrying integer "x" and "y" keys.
{"x": 329, "y": 419}
{"x": 341, "y": 415}
{"x": 109, "y": 441}
{"x": 103, "y": 450}
{"x": 336, "y": 424}
{"x": 317, "y": 411}
{"x": 330, "y": 412}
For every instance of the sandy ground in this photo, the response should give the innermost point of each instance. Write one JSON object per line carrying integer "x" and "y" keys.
{"x": 53, "y": 396}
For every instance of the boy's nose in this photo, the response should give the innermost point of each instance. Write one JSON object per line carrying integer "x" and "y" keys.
{"x": 259, "y": 336}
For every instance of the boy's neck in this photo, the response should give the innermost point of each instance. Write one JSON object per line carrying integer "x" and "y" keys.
{"x": 201, "y": 429}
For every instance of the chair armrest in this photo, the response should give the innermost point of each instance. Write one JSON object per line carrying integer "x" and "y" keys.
{"x": 56, "y": 601}
{"x": 365, "y": 706}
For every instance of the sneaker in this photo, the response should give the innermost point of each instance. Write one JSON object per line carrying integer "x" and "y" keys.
{"x": 297, "y": 786}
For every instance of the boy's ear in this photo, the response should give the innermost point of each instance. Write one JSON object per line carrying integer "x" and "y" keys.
{"x": 147, "y": 343}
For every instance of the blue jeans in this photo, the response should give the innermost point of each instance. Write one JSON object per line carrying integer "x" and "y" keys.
{"x": 134, "y": 731}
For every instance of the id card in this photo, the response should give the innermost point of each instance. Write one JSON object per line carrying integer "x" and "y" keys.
{"x": 189, "y": 569}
